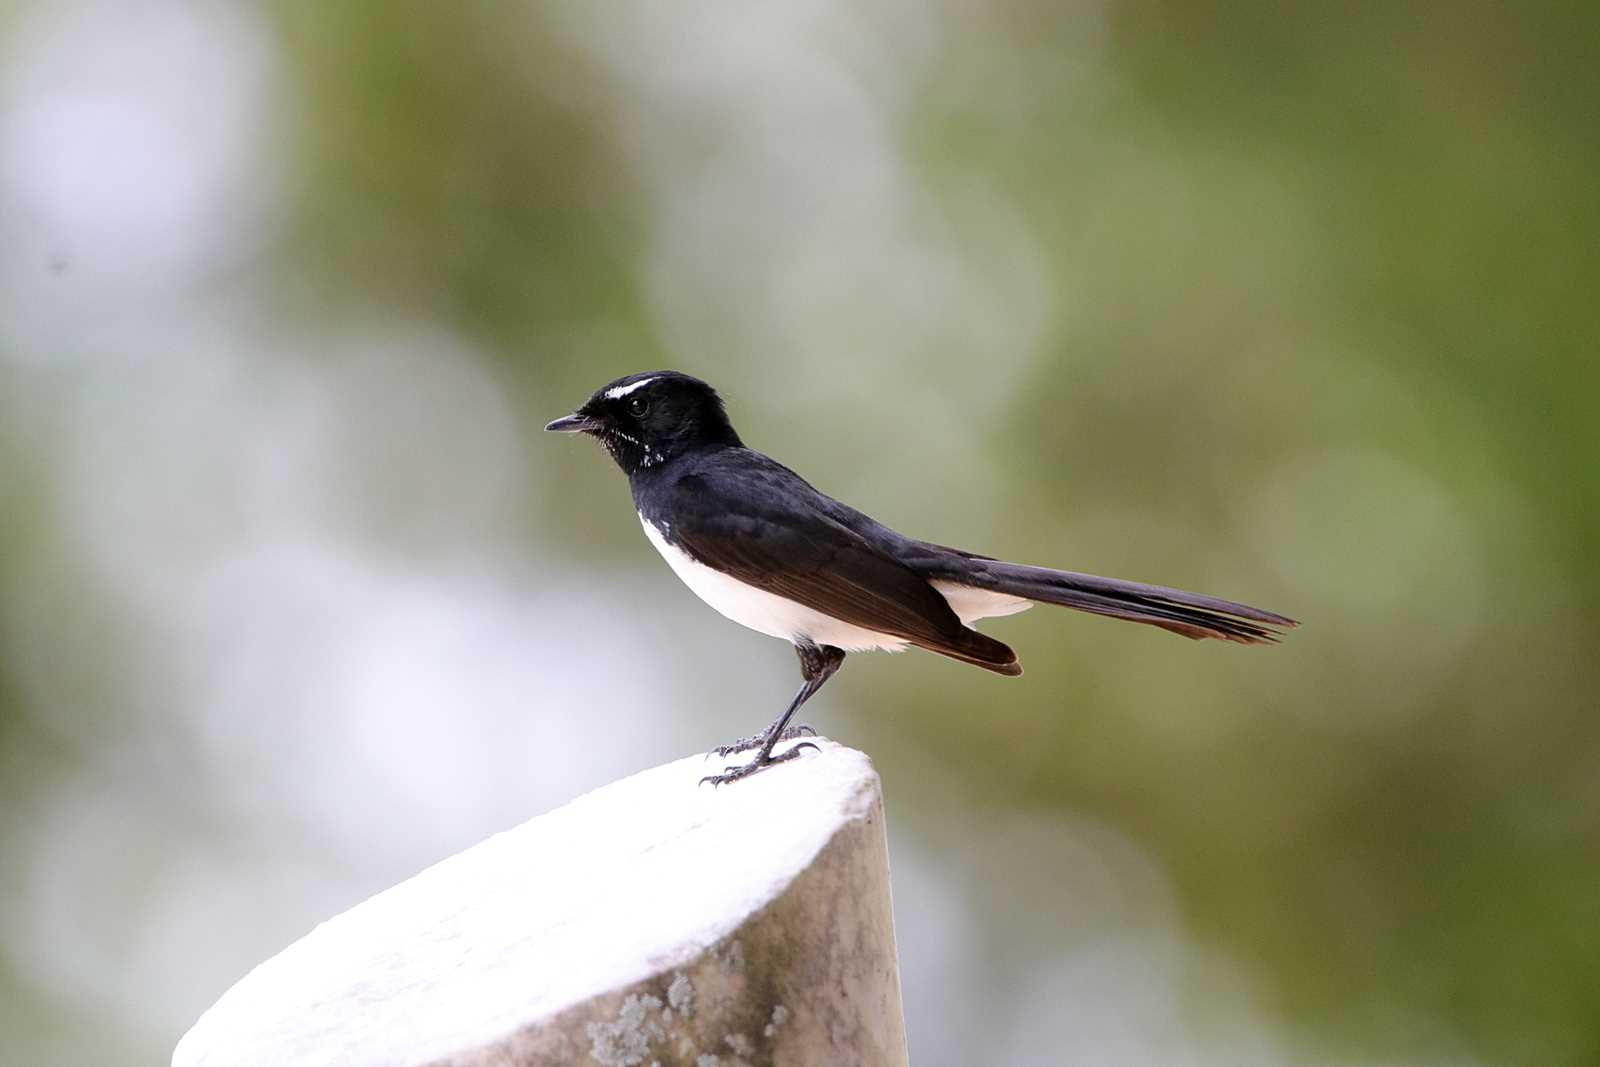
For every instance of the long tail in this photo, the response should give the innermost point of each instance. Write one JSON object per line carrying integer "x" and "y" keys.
{"x": 1190, "y": 614}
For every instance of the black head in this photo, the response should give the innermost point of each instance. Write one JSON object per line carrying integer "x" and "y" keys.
{"x": 645, "y": 420}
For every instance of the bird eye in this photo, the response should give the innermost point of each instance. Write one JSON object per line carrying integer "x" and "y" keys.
{"x": 638, "y": 406}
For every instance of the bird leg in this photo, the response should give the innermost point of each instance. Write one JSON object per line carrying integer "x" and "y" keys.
{"x": 817, "y": 664}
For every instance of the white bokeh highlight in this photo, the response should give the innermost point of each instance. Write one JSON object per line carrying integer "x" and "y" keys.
{"x": 134, "y": 160}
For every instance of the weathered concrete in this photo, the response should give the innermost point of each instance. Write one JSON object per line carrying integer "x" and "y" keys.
{"x": 650, "y": 922}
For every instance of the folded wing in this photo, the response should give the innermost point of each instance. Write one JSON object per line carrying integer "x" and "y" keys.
{"x": 773, "y": 541}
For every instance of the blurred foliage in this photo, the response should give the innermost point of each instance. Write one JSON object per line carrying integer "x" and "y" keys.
{"x": 455, "y": 159}
{"x": 1323, "y": 336}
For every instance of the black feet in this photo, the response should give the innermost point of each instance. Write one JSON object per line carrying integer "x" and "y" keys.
{"x": 745, "y": 744}
{"x": 757, "y": 765}
{"x": 817, "y": 664}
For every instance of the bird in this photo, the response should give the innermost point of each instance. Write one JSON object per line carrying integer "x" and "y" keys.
{"x": 765, "y": 548}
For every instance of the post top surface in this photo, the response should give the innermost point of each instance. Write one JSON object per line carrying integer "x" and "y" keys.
{"x": 633, "y": 878}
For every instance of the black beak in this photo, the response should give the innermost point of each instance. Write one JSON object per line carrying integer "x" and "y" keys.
{"x": 577, "y": 422}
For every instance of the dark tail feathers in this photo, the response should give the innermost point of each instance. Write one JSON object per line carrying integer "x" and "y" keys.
{"x": 1190, "y": 614}
{"x": 980, "y": 650}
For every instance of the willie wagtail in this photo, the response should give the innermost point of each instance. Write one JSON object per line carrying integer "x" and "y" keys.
{"x": 755, "y": 541}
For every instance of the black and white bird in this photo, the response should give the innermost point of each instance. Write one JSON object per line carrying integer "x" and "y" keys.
{"x": 757, "y": 542}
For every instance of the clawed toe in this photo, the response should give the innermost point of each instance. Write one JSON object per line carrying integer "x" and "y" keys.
{"x": 755, "y": 766}
{"x": 745, "y": 744}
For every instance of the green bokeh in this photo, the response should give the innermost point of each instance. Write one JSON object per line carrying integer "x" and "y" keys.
{"x": 1327, "y": 291}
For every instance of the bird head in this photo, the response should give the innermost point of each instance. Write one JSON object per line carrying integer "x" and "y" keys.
{"x": 645, "y": 420}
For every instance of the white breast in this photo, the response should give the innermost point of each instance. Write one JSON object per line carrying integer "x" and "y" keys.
{"x": 762, "y": 611}
{"x": 779, "y": 616}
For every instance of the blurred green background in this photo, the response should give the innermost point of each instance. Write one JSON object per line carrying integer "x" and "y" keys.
{"x": 1291, "y": 306}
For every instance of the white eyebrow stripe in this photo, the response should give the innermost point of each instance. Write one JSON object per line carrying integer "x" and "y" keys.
{"x": 621, "y": 391}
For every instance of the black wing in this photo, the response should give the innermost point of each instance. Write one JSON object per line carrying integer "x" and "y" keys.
{"x": 758, "y": 521}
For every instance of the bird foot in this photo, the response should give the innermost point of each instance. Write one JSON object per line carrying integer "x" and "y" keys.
{"x": 755, "y": 766}
{"x": 745, "y": 744}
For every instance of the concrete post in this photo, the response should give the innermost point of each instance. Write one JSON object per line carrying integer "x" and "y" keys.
{"x": 651, "y": 922}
